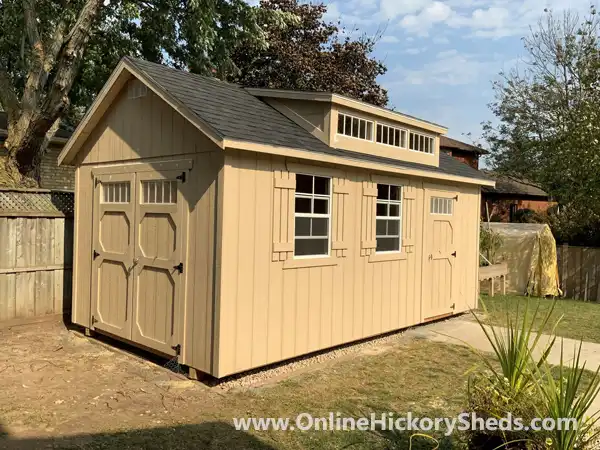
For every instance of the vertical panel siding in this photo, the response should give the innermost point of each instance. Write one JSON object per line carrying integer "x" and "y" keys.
{"x": 35, "y": 268}
{"x": 268, "y": 313}
{"x": 143, "y": 130}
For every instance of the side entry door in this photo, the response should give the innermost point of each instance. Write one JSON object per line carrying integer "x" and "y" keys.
{"x": 113, "y": 253}
{"x": 440, "y": 253}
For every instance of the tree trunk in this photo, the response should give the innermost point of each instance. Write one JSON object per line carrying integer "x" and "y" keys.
{"x": 25, "y": 145}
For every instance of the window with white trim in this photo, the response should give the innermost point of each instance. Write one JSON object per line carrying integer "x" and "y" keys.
{"x": 116, "y": 192}
{"x": 441, "y": 205}
{"x": 389, "y": 218}
{"x": 355, "y": 127}
{"x": 420, "y": 143}
{"x": 391, "y": 136}
{"x": 312, "y": 215}
{"x": 159, "y": 191}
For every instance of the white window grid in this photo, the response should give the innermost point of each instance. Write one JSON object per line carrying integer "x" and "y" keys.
{"x": 347, "y": 124}
{"x": 398, "y": 218}
{"x": 396, "y": 137}
{"x": 312, "y": 198}
{"x": 159, "y": 192}
{"x": 116, "y": 192}
{"x": 421, "y": 143}
{"x": 442, "y": 206}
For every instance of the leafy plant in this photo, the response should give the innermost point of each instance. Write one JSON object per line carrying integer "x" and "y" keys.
{"x": 514, "y": 347}
{"x": 489, "y": 243}
{"x": 566, "y": 397}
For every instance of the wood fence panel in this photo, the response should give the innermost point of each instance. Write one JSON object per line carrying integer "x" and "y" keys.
{"x": 579, "y": 272}
{"x": 35, "y": 266}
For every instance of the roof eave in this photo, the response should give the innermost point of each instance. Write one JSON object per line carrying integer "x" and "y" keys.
{"x": 350, "y": 162}
{"x": 348, "y": 102}
{"x": 125, "y": 71}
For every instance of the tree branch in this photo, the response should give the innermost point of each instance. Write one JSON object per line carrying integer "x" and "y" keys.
{"x": 31, "y": 28}
{"x": 68, "y": 60}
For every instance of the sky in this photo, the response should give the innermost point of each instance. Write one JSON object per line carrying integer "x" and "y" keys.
{"x": 443, "y": 55}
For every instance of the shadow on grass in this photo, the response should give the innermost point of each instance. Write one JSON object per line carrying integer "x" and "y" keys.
{"x": 210, "y": 435}
{"x": 402, "y": 440}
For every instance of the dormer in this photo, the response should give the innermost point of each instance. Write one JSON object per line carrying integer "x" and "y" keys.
{"x": 356, "y": 126}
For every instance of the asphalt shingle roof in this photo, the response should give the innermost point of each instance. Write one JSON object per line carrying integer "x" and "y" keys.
{"x": 447, "y": 142}
{"x": 234, "y": 113}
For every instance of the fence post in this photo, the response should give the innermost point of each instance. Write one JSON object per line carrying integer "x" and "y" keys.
{"x": 563, "y": 277}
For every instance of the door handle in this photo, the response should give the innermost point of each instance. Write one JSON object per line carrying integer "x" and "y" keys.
{"x": 133, "y": 264}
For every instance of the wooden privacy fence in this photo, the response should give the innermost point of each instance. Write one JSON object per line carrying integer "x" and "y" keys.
{"x": 579, "y": 272}
{"x": 36, "y": 238}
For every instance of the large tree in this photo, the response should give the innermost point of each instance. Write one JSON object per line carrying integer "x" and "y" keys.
{"x": 56, "y": 54}
{"x": 548, "y": 111}
{"x": 311, "y": 54}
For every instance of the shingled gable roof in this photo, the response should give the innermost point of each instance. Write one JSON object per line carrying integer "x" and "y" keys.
{"x": 231, "y": 113}
{"x": 447, "y": 142}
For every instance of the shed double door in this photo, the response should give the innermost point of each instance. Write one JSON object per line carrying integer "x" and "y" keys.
{"x": 439, "y": 253}
{"x": 137, "y": 257}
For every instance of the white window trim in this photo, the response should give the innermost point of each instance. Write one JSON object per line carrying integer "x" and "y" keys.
{"x": 432, "y": 152}
{"x": 147, "y": 183}
{"x": 399, "y": 218}
{"x": 373, "y": 130}
{"x": 313, "y": 215}
{"x": 407, "y": 131}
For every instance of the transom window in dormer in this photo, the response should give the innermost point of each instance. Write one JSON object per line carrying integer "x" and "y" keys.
{"x": 420, "y": 143}
{"x": 355, "y": 127}
{"x": 391, "y": 136}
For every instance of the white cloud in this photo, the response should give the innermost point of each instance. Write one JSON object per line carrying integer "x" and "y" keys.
{"x": 389, "y": 40}
{"x": 440, "y": 40}
{"x": 390, "y": 9}
{"x": 420, "y": 24}
{"x": 449, "y": 67}
{"x": 414, "y": 50}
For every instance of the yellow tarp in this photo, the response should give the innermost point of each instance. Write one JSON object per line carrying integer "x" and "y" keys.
{"x": 529, "y": 249}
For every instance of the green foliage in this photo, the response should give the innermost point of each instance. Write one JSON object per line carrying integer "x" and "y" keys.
{"x": 489, "y": 397}
{"x": 529, "y": 216}
{"x": 567, "y": 397}
{"x": 310, "y": 54}
{"x": 526, "y": 385}
{"x": 489, "y": 244}
{"x": 549, "y": 115}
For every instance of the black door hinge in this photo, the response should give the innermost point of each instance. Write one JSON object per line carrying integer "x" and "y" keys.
{"x": 94, "y": 320}
{"x": 179, "y": 267}
{"x": 181, "y": 177}
{"x": 177, "y": 349}
{"x": 453, "y": 305}
{"x": 453, "y": 253}
{"x": 96, "y": 254}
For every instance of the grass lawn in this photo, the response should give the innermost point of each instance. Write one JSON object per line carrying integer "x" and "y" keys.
{"x": 423, "y": 377}
{"x": 580, "y": 320}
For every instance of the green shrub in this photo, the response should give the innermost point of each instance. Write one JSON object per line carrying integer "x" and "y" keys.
{"x": 489, "y": 243}
{"x": 489, "y": 397}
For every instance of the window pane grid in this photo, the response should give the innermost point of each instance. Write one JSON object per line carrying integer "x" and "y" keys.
{"x": 159, "y": 192}
{"x": 389, "y": 135}
{"x": 388, "y": 218}
{"x": 312, "y": 215}
{"x": 115, "y": 192}
{"x": 420, "y": 143}
{"x": 442, "y": 206}
{"x": 355, "y": 127}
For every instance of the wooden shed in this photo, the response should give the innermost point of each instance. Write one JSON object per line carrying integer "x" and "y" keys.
{"x": 240, "y": 227}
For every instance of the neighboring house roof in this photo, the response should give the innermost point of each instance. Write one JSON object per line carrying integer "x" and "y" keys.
{"x": 446, "y": 142}
{"x": 230, "y": 116}
{"x": 62, "y": 133}
{"x": 510, "y": 186}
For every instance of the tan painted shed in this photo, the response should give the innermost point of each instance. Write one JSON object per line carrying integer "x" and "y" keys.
{"x": 240, "y": 227}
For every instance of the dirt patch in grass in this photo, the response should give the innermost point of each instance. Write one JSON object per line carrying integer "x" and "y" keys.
{"x": 62, "y": 390}
{"x": 579, "y": 319}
